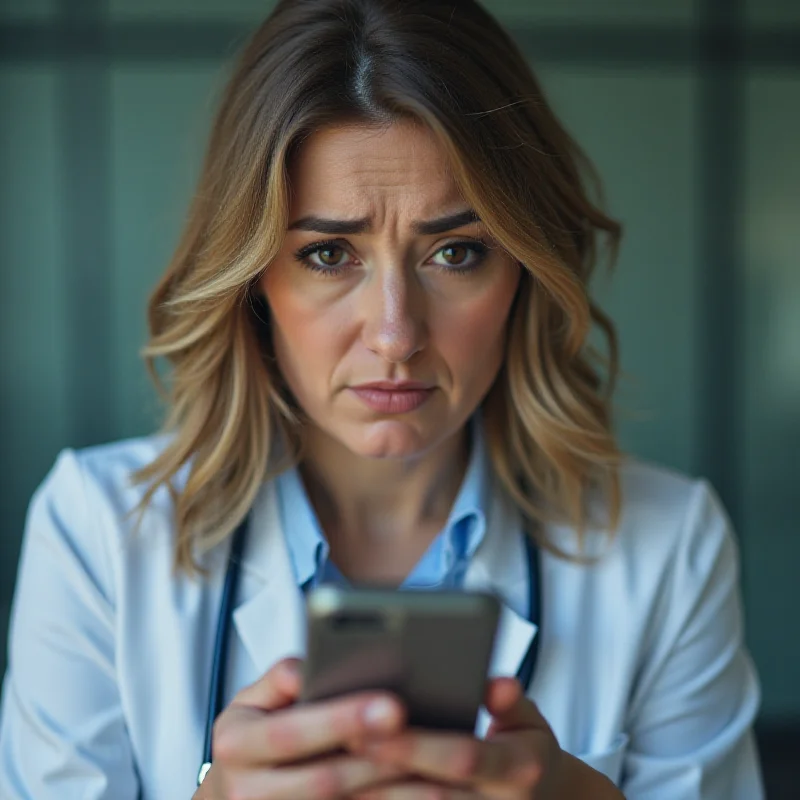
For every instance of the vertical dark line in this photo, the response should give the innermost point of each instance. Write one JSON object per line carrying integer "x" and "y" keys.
{"x": 721, "y": 153}
{"x": 84, "y": 121}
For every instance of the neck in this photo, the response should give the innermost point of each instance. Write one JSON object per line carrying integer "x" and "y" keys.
{"x": 360, "y": 500}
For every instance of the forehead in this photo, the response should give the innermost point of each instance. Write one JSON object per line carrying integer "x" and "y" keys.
{"x": 357, "y": 168}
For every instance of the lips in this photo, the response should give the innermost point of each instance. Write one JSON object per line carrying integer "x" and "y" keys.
{"x": 388, "y": 397}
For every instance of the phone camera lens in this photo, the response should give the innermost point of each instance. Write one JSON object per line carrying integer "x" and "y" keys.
{"x": 354, "y": 622}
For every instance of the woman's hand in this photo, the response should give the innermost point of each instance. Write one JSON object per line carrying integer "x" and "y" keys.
{"x": 520, "y": 759}
{"x": 266, "y": 749}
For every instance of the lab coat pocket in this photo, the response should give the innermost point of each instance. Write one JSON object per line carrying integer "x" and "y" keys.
{"x": 608, "y": 761}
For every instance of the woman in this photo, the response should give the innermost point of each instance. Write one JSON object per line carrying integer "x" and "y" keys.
{"x": 377, "y": 323}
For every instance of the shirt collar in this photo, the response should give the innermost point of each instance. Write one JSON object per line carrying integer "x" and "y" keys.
{"x": 304, "y": 538}
{"x": 468, "y": 515}
{"x": 461, "y": 535}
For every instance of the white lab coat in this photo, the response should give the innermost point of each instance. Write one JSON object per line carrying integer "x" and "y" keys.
{"x": 642, "y": 671}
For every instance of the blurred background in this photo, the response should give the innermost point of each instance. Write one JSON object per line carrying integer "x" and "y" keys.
{"x": 689, "y": 108}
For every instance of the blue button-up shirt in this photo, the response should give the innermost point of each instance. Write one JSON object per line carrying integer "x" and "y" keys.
{"x": 445, "y": 561}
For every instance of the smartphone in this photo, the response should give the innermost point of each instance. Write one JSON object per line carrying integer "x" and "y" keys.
{"x": 430, "y": 648}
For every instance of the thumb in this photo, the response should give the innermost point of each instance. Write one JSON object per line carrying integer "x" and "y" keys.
{"x": 510, "y": 708}
{"x": 277, "y": 688}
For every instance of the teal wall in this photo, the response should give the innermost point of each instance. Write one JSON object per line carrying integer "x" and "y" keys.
{"x": 99, "y": 148}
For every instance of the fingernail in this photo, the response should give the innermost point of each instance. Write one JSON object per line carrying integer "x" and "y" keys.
{"x": 381, "y": 714}
{"x": 291, "y": 671}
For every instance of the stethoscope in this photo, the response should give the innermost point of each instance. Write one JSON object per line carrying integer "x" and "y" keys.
{"x": 217, "y": 687}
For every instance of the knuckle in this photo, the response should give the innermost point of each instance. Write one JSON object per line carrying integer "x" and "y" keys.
{"x": 246, "y": 794}
{"x": 343, "y": 721}
{"x": 225, "y": 742}
{"x": 531, "y": 775}
{"x": 235, "y": 790}
{"x": 530, "y": 762}
{"x": 536, "y": 773}
{"x": 346, "y": 714}
{"x": 280, "y": 739}
{"x": 466, "y": 758}
{"x": 325, "y": 783}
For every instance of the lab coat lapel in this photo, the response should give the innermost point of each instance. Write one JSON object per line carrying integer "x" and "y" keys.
{"x": 499, "y": 565}
{"x": 270, "y": 616}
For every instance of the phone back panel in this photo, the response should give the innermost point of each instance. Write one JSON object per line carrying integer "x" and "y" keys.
{"x": 430, "y": 648}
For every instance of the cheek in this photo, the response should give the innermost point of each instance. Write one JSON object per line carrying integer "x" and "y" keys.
{"x": 308, "y": 338}
{"x": 471, "y": 338}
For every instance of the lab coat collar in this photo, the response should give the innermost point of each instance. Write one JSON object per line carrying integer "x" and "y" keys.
{"x": 499, "y": 565}
{"x": 270, "y": 616}
{"x": 270, "y": 619}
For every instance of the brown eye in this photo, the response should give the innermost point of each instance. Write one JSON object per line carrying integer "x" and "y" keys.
{"x": 326, "y": 258}
{"x": 460, "y": 257}
{"x": 455, "y": 254}
{"x": 330, "y": 256}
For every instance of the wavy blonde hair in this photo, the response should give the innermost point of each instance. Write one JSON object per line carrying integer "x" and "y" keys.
{"x": 448, "y": 65}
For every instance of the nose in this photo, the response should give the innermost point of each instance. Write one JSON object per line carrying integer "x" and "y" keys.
{"x": 394, "y": 314}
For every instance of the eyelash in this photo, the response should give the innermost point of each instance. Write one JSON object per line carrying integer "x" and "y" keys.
{"x": 478, "y": 247}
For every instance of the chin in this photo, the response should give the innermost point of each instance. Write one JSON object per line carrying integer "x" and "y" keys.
{"x": 390, "y": 439}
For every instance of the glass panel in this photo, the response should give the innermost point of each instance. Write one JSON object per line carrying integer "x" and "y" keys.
{"x": 160, "y": 117}
{"x": 33, "y": 374}
{"x": 771, "y": 385}
{"x": 622, "y": 119}
{"x": 581, "y": 12}
{"x": 573, "y": 11}
{"x": 773, "y": 12}
{"x": 12, "y": 10}
{"x": 235, "y": 10}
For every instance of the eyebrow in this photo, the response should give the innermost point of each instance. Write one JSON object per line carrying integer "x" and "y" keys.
{"x": 342, "y": 227}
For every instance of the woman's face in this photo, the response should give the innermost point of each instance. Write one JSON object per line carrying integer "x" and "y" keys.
{"x": 388, "y": 300}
